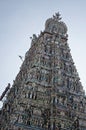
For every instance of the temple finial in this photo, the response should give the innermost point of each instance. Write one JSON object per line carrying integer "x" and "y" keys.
{"x": 57, "y": 16}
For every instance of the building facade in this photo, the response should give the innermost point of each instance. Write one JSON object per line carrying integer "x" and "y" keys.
{"x": 47, "y": 93}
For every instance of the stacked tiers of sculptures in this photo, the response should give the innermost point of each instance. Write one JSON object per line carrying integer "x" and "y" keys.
{"x": 47, "y": 93}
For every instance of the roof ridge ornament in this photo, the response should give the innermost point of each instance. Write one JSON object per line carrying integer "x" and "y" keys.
{"x": 55, "y": 25}
{"x": 57, "y": 16}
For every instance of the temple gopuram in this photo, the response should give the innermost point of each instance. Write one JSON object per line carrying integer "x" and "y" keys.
{"x": 47, "y": 93}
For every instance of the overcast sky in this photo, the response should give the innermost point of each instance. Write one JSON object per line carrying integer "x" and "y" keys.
{"x": 20, "y": 19}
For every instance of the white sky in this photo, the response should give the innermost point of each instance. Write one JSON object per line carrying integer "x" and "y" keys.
{"x": 20, "y": 19}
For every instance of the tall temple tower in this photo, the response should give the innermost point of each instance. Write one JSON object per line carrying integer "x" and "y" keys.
{"x": 47, "y": 93}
